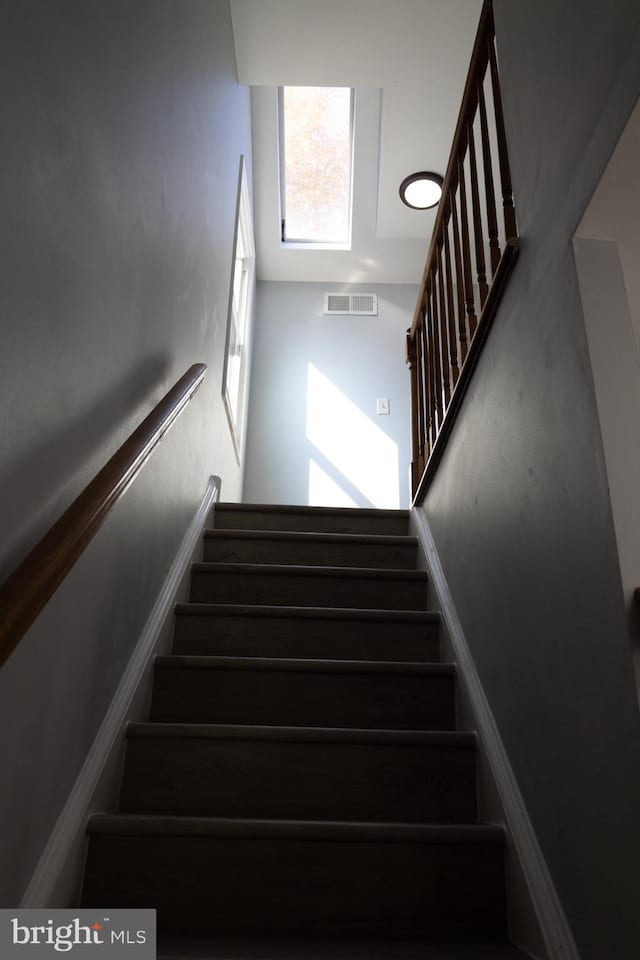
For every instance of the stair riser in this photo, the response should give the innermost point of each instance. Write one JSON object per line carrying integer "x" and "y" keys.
{"x": 300, "y": 699}
{"x": 308, "y": 590}
{"x": 318, "y": 889}
{"x": 358, "y": 523}
{"x": 376, "y": 556}
{"x": 255, "y": 636}
{"x": 299, "y": 780}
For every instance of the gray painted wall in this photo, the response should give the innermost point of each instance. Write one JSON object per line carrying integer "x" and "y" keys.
{"x": 314, "y": 435}
{"x": 519, "y": 507}
{"x": 122, "y": 130}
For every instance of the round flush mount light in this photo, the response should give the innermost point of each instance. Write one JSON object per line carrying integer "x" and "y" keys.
{"x": 421, "y": 190}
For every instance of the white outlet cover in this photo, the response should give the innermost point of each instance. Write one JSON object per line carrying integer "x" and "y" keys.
{"x": 382, "y": 406}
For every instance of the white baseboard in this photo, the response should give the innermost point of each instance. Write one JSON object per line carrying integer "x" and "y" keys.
{"x": 551, "y": 918}
{"x": 72, "y": 820}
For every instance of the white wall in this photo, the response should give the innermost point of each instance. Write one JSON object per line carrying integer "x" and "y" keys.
{"x": 313, "y": 435}
{"x": 607, "y": 251}
{"x": 615, "y": 364}
{"x": 614, "y": 211}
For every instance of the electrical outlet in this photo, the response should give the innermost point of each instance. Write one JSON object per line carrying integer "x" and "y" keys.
{"x": 382, "y": 406}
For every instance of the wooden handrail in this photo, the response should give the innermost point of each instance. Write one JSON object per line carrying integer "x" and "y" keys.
{"x": 466, "y": 269}
{"x": 32, "y": 584}
{"x": 485, "y": 25}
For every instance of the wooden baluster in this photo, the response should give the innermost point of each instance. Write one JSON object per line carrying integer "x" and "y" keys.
{"x": 466, "y": 253}
{"x": 462, "y": 327}
{"x": 426, "y": 413}
{"x": 430, "y": 368}
{"x": 426, "y": 379}
{"x": 446, "y": 322}
{"x": 444, "y": 337}
{"x": 431, "y": 372}
{"x": 435, "y": 321}
{"x": 420, "y": 397}
{"x": 477, "y": 219}
{"x": 453, "y": 340}
{"x": 503, "y": 157}
{"x": 490, "y": 196}
{"x": 427, "y": 388}
{"x": 410, "y": 354}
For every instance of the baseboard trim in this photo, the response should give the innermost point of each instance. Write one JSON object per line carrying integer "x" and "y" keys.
{"x": 74, "y": 813}
{"x": 551, "y": 918}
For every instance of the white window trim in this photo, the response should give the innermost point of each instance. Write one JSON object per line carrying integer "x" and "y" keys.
{"x": 243, "y": 238}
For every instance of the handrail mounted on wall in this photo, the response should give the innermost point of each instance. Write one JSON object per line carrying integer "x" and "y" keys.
{"x": 26, "y": 591}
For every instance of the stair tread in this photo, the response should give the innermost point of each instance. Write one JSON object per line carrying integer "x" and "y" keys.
{"x": 178, "y": 661}
{"x": 312, "y": 537}
{"x": 265, "y": 794}
{"x": 321, "y": 613}
{"x": 262, "y": 948}
{"x": 353, "y": 831}
{"x": 306, "y": 570}
{"x": 137, "y": 824}
{"x": 311, "y": 511}
{"x": 228, "y": 731}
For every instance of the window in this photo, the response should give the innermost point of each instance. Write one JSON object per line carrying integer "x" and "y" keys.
{"x": 316, "y": 138}
{"x": 234, "y": 378}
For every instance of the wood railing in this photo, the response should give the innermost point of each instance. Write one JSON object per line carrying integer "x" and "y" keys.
{"x": 471, "y": 254}
{"x": 33, "y": 583}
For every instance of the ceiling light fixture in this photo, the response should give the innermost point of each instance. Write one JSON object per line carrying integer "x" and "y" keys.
{"x": 420, "y": 191}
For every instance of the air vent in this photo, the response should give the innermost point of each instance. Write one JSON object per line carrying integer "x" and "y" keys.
{"x": 353, "y": 304}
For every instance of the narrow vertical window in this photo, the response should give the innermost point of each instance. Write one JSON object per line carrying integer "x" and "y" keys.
{"x": 316, "y": 147}
{"x": 234, "y": 381}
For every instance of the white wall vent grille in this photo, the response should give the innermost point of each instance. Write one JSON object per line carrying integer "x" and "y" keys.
{"x": 353, "y": 304}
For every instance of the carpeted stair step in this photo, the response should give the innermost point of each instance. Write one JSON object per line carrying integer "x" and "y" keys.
{"x": 324, "y": 633}
{"x": 308, "y": 586}
{"x": 299, "y": 878}
{"x": 325, "y": 693}
{"x": 253, "y": 516}
{"x": 322, "y": 549}
{"x": 309, "y": 773}
{"x": 172, "y": 946}
{"x": 301, "y": 777}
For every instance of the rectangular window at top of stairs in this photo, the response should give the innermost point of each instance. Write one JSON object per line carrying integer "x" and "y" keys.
{"x": 316, "y": 152}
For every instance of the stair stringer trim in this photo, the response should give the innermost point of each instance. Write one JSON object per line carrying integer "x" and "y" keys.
{"x": 69, "y": 830}
{"x": 551, "y": 917}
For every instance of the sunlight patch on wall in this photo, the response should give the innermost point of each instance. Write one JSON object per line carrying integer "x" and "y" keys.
{"x": 358, "y": 449}
{"x": 325, "y": 492}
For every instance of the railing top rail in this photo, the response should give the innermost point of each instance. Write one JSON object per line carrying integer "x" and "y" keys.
{"x": 471, "y": 255}
{"x": 32, "y": 584}
{"x": 479, "y": 61}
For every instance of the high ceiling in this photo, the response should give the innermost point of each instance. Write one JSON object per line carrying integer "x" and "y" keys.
{"x": 407, "y": 60}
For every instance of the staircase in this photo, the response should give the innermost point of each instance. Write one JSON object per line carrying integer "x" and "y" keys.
{"x": 300, "y": 789}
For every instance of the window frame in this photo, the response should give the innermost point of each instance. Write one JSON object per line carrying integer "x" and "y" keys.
{"x": 239, "y": 314}
{"x": 304, "y": 243}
